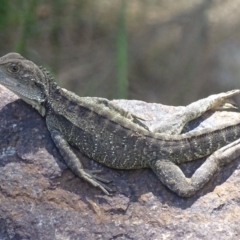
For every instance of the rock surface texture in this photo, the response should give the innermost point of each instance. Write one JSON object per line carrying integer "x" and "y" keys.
{"x": 41, "y": 199}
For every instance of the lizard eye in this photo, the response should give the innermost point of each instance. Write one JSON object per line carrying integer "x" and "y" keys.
{"x": 13, "y": 68}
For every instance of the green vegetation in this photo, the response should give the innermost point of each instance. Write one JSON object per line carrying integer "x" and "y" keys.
{"x": 27, "y": 19}
{"x": 31, "y": 19}
{"x": 121, "y": 53}
{"x": 4, "y": 5}
{"x": 141, "y": 49}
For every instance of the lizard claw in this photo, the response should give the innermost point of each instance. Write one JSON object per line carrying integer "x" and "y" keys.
{"x": 93, "y": 172}
{"x": 89, "y": 176}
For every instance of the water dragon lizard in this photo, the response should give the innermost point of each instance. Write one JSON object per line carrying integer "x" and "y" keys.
{"x": 119, "y": 139}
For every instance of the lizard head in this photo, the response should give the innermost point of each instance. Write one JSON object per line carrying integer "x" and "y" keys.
{"x": 25, "y": 79}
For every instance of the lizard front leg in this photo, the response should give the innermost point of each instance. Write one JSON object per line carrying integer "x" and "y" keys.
{"x": 72, "y": 160}
{"x": 173, "y": 177}
{"x": 115, "y": 108}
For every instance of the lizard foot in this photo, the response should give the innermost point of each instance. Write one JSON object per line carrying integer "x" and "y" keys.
{"x": 93, "y": 172}
{"x": 223, "y": 100}
{"x": 227, "y": 153}
{"x": 89, "y": 176}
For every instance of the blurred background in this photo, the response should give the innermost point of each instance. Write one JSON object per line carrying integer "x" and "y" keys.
{"x": 167, "y": 51}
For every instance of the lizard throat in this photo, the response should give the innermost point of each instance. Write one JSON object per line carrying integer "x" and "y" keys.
{"x": 38, "y": 105}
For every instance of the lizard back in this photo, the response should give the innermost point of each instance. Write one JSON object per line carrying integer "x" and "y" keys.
{"x": 103, "y": 134}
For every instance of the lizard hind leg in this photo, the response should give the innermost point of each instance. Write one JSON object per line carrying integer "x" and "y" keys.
{"x": 174, "y": 123}
{"x": 173, "y": 177}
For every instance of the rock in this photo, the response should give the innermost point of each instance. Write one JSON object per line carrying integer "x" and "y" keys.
{"x": 40, "y": 198}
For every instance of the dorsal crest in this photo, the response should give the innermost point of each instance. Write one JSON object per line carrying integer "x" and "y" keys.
{"x": 47, "y": 73}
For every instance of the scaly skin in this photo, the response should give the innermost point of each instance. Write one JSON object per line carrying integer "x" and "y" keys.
{"x": 117, "y": 138}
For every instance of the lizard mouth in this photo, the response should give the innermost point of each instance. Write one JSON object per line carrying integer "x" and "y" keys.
{"x": 5, "y": 81}
{"x": 23, "y": 92}
{"x": 10, "y": 84}
{"x": 15, "y": 87}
